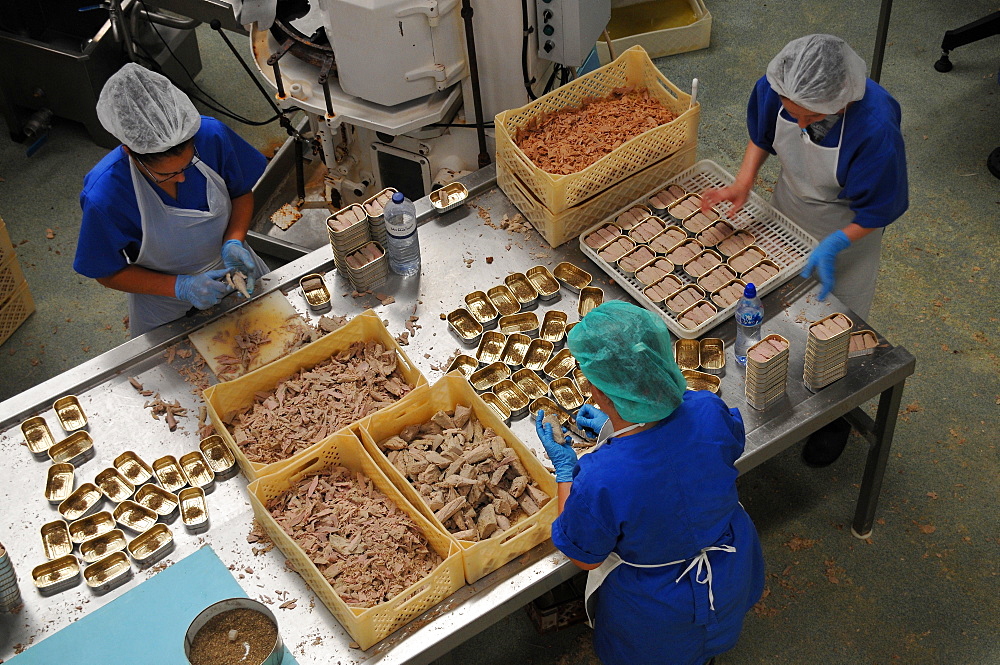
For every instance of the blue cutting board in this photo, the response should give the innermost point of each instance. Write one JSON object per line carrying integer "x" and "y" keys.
{"x": 147, "y": 623}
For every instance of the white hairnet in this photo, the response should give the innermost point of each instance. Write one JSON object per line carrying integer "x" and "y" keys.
{"x": 145, "y": 111}
{"x": 818, "y": 72}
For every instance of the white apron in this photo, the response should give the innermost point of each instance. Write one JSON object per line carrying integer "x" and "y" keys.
{"x": 807, "y": 193}
{"x": 177, "y": 241}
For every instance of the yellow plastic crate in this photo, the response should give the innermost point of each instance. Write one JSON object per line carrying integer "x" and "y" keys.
{"x": 11, "y": 277}
{"x": 226, "y": 399}
{"x": 366, "y": 625}
{"x": 6, "y": 246}
{"x": 480, "y": 558}
{"x": 559, "y": 193}
{"x": 15, "y": 311}
{"x": 667, "y": 41}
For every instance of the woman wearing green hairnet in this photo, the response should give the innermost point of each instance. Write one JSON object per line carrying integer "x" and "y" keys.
{"x": 653, "y": 513}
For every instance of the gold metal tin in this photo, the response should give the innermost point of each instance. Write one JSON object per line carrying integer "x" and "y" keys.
{"x": 107, "y": 573}
{"x": 135, "y": 470}
{"x": 83, "y": 499}
{"x": 749, "y": 275}
{"x": 651, "y": 272}
{"x": 632, "y": 217}
{"x": 713, "y": 355}
{"x": 194, "y": 508}
{"x": 482, "y": 309}
{"x": 721, "y": 302}
{"x": 157, "y": 499}
{"x": 114, "y": 485}
{"x": 103, "y": 545}
{"x": 659, "y": 291}
{"x": 490, "y": 347}
{"x": 70, "y": 413}
{"x": 755, "y": 253}
{"x": 647, "y": 229}
{"x": 866, "y": 340}
{"x": 833, "y": 339}
{"x": 560, "y": 365}
{"x": 196, "y": 469}
{"x": 37, "y": 435}
{"x": 466, "y": 365}
{"x": 697, "y": 223}
{"x": 569, "y": 327}
{"x": 717, "y": 277}
{"x": 636, "y": 259}
{"x": 597, "y": 243}
{"x": 582, "y": 383}
{"x": 497, "y": 405}
{"x": 513, "y": 397}
{"x": 513, "y": 351}
{"x": 59, "y": 482}
{"x": 566, "y": 394}
{"x": 74, "y": 449}
{"x": 544, "y": 282}
{"x": 743, "y": 237}
{"x": 696, "y": 272}
{"x": 701, "y": 381}
{"x": 318, "y": 295}
{"x": 525, "y": 323}
{"x": 682, "y": 214}
{"x": 169, "y": 473}
{"x": 572, "y": 277}
{"x": 449, "y": 197}
{"x": 677, "y": 307}
{"x": 683, "y": 320}
{"x": 219, "y": 457}
{"x": 666, "y": 196}
{"x": 707, "y": 237}
{"x": 529, "y": 383}
{"x": 487, "y": 377}
{"x": 56, "y": 575}
{"x": 132, "y": 516}
{"x": 523, "y": 290}
{"x": 622, "y": 246}
{"x": 538, "y": 353}
{"x": 590, "y": 297}
{"x": 55, "y": 539}
{"x": 151, "y": 545}
{"x": 503, "y": 300}
{"x": 548, "y": 406}
{"x": 665, "y": 242}
{"x": 553, "y": 328}
{"x": 465, "y": 326}
{"x": 687, "y": 353}
{"x": 96, "y": 525}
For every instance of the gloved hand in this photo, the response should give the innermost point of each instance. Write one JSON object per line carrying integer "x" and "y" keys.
{"x": 591, "y": 418}
{"x": 562, "y": 454}
{"x": 823, "y": 260}
{"x": 238, "y": 257}
{"x": 202, "y": 290}
{"x": 736, "y": 194}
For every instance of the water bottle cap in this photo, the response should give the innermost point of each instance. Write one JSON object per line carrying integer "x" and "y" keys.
{"x": 397, "y": 197}
{"x": 750, "y": 291}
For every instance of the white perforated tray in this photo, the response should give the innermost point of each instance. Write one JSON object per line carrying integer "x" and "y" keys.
{"x": 786, "y": 244}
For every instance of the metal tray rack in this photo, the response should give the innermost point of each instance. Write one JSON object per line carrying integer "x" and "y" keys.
{"x": 786, "y": 244}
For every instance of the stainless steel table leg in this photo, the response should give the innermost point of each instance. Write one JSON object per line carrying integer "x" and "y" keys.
{"x": 878, "y": 457}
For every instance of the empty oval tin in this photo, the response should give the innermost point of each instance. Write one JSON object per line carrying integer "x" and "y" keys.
{"x": 70, "y": 413}
{"x": 490, "y": 347}
{"x": 487, "y": 377}
{"x": 572, "y": 277}
{"x": 74, "y": 449}
{"x": 194, "y": 509}
{"x": 482, "y": 309}
{"x": 151, "y": 545}
{"x": 713, "y": 355}
{"x": 220, "y": 458}
{"x": 566, "y": 394}
{"x": 701, "y": 381}
{"x": 524, "y": 292}
{"x": 553, "y": 328}
{"x": 590, "y": 297}
{"x": 466, "y": 365}
{"x": 91, "y": 527}
{"x": 37, "y": 436}
{"x": 538, "y": 353}
{"x": 169, "y": 473}
{"x": 503, "y": 300}
{"x": 103, "y": 545}
{"x": 157, "y": 499}
{"x": 84, "y": 499}
{"x": 543, "y": 281}
{"x": 582, "y": 383}
{"x": 105, "y": 574}
{"x": 133, "y": 516}
{"x": 548, "y": 406}
{"x": 315, "y": 291}
{"x": 114, "y": 485}
{"x": 559, "y": 365}
{"x": 59, "y": 482}
{"x": 135, "y": 470}
{"x": 498, "y": 406}
{"x": 525, "y": 322}
{"x": 56, "y": 541}
{"x": 514, "y": 350}
{"x": 513, "y": 397}
{"x": 529, "y": 383}
{"x": 465, "y": 326}
{"x": 196, "y": 469}
{"x": 56, "y": 575}
{"x": 687, "y": 353}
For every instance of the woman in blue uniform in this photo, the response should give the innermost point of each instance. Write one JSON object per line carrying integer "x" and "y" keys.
{"x": 166, "y": 213}
{"x": 843, "y": 173}
{"x": 653, "y": 513}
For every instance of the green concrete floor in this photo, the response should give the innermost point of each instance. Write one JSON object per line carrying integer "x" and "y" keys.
{"x": 921, "y": 590}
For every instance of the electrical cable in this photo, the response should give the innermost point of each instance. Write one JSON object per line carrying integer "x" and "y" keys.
{"x": 485, "y": 125}
{"x": 526, "y": 31}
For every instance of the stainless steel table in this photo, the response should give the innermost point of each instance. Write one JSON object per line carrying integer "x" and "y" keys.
{"x": 455, "y": 248}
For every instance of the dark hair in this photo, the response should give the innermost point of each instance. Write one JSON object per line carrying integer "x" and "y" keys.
{"x": 153, "y": 157}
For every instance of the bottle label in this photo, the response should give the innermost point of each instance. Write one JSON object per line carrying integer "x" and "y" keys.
{"x": 401, "y": 227}
{"x": 749, "y": 319}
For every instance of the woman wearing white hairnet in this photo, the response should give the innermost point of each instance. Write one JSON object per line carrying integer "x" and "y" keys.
{"x": 843, "y": 173}
{"x": 166, "y": 213}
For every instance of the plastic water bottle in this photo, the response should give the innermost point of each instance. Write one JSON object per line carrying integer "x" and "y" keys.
{"x": 749, "y": 318}
{"x": 401, "y": 236}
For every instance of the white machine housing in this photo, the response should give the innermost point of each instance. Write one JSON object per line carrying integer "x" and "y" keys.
{"x": 569, "y": 28}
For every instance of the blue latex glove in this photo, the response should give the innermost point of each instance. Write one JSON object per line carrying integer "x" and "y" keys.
{"x": 591, "y": 418}
{"x": 202, "y": 290}
{"x": 238, "y": 257}
{"x": 562, "y": 454}
{"x": 823, "y": 260}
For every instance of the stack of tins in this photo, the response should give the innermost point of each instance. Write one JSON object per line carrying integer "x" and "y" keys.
{"x": 16, "y": 304}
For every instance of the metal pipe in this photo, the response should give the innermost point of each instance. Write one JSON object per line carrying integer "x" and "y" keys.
{"x": 880, "y": 36}
{"x": 477, "y": 97}
{"x": 176, "y": 22}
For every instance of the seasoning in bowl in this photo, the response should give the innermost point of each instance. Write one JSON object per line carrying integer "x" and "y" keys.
{"x": 239, "y": 636}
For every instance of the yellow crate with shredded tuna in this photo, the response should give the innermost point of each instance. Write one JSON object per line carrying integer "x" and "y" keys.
{"x": 560, "y": 227}
{"x": 373, "y": 624}
{"x": 15, "y": 311}
{"x": 559, "y": 193}
{"x": 225, "y": 400}
{"x": 483, "y": 557}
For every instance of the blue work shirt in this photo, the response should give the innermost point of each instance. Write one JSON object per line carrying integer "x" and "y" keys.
{"x": 872, "y": 163}
{"x": 659, "y": 496}
{"x": 111, "y": 228}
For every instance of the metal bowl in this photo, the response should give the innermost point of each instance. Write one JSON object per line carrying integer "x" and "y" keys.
{"x": 277, "y": 651}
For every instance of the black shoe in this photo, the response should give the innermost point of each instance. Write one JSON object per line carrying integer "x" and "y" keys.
{"x": 826, "y": 444}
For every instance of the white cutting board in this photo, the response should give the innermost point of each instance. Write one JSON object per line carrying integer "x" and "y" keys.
{"x": 271, "y": 313}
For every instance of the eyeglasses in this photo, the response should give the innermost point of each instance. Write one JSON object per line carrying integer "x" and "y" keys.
{"x": 168, "y": 176}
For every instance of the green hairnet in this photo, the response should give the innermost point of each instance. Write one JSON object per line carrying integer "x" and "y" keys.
{"x": 626, "y": 352}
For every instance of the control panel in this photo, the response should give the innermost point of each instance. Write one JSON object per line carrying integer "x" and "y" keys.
{"x": 568, "y": 29}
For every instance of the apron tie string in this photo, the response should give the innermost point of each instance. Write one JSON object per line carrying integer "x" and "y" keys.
{"x": 701, "y": 565}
